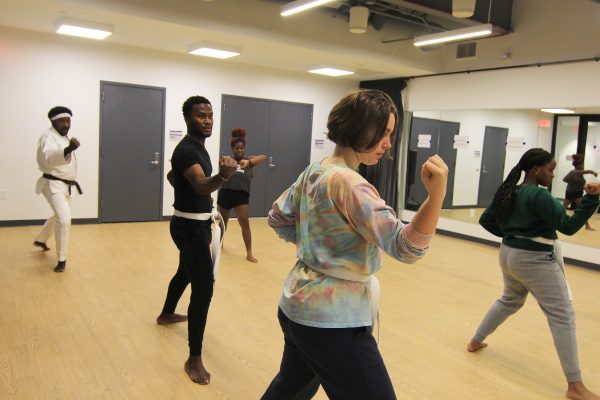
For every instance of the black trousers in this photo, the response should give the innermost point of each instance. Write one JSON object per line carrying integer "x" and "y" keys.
{"x": 192, "y": 238}
{"x": 346, "y": 361}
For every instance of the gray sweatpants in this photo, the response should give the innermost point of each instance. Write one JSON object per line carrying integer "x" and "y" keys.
{"x": 537, "y": 272}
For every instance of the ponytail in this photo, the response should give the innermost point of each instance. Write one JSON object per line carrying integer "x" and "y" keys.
{"x": 504, "y": 197}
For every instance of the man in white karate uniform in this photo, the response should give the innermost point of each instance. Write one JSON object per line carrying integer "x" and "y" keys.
{"x": 56, "y": 159}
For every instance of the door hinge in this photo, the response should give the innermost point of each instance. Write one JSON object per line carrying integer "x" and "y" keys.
{"x": 102, "y": 96}
{"x": 101, "y": 204}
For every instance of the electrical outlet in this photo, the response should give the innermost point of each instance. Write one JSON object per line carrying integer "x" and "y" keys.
{"x": 3, "y": 194}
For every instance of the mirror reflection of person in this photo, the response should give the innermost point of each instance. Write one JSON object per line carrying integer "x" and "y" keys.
{"x": 235, "y": 193}
{"x": 575, "y": 183}
{"x": 56, "y": 159}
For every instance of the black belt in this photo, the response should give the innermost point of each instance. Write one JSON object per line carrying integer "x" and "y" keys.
{"x": 68, "y": 182}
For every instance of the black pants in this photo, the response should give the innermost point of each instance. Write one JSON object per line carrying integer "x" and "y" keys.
{"x": 192, "y": 238}
{"x": 346, "y": 361}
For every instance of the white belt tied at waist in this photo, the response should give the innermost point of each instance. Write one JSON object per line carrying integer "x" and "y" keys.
{"x": 217, "y": 238}
{"x": 373, "y": 289}
{"x": 557, "y": 254}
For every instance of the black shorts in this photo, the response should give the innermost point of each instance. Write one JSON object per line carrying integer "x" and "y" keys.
{"x": 572, "y": 196}
{"x": 229, "y": 198}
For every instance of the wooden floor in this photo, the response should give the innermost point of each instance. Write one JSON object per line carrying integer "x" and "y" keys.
{"x": 89, "y": 333}
{"x": 583, "y": 237}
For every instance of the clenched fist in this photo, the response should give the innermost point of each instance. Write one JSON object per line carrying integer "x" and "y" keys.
{"x": 73, "y": 144}
{"x": 227, "y": 166}
{"x": 592, "y": 188}
{"x": 434, "y": 175}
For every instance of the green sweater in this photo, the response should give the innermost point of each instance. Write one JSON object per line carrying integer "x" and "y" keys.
{"x": 536, "y": 213}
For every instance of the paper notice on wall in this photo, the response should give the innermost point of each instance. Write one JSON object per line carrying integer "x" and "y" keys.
{"x": 319, "y": 143}
{"x": 515, "y": 143}
{"x": 175, "y": 135}
{"x": 424, "y": 141}
{"x": 461, "y": 142}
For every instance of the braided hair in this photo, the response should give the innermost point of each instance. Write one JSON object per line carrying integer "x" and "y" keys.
{"x": 238, "y": 135}
{"x": 504, "y": 197}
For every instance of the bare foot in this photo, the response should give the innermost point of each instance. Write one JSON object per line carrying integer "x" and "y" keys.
{"x": 474, "y": 345}
{"x": 165, "y": 319}
{"x": 60, "y": 267}
{"x": 196, "y": 371}
{"x": 42, "y": 245}
{"x": 577, "y": 391}
{"x": 251, "y": 258}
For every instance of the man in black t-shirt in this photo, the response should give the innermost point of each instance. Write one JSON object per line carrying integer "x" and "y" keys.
{"x": 190, "y": 228}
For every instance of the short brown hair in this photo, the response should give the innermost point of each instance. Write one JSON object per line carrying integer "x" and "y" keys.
{"x": 359, "y": 120}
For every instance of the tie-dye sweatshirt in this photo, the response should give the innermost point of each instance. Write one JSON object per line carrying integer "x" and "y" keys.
{"x": 339, "y": 224}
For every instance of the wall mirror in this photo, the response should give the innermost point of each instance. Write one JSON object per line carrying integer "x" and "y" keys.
{"x": 481, "y": 146}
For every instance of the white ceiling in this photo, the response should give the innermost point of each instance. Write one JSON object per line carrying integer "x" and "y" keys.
{"x": 297, "y": 43}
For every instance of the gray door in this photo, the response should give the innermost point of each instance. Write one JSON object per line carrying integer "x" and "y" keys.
{"x": 253, "y": 115}
{"x": 416, "y": 193}
{"x": 273, "y": 128}
{"x": 493, "y": 156}
{"x": 131, "y": 152}
{"x": 442, "y": 143}
{"x": 290, "y": 129}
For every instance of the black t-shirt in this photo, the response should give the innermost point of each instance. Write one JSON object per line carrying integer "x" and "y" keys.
{"x": 187, "y": 153}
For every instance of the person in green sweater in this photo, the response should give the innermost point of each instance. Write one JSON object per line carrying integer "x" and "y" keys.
{"x": 526, "y": 217}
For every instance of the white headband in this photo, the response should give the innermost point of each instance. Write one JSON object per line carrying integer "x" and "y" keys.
{"x": 59, "y": 116}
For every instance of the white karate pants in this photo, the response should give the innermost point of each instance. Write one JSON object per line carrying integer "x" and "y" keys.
{"x": 59, "y": 223}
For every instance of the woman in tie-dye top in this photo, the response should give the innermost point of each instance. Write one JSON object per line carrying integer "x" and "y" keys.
{"x": 338, "y": 222}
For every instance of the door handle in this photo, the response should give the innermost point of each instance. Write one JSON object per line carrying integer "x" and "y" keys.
{"x": 156, "y": 160}
{"x": 271, "y": 165}
{"x": 483, "y": 170}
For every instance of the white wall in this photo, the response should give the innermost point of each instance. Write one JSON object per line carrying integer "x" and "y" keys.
{"x": 566, "y": 146}
{"x": 592, "y": 151}
{"x": 38, "y": 71}
{"x": 520, "y": 123}
{"x": 564, "y": 85}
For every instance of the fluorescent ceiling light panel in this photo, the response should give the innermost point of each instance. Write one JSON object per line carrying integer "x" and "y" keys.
{"x": 301, "y": 5}
{"x": 558, "y": 111}
{"x": 330, "y": 71}
{"x": 213, "y": 50}
{"x": 455, "y": 35}
{"x": 90, "y": 30}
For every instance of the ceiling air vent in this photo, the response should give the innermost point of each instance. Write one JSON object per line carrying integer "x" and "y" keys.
{"x": 466, "y": 50}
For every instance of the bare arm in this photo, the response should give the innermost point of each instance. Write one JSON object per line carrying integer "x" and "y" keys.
{"x": 204, "y": 185}
{"x": 434, "y": 174}
{"x": 256, "y": 160}
{"x": 253, "y": 161}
